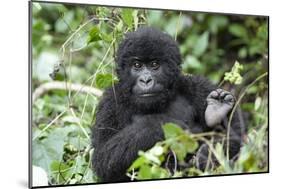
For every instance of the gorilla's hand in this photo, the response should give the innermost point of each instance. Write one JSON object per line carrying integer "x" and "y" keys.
{"x": 220, "y": 102}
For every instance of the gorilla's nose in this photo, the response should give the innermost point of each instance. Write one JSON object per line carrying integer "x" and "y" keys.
{"x": 146, "y": 81}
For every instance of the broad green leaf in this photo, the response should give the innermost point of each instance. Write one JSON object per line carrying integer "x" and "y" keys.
{"x": 263, "y": 32}
{"x": 190, "y": 144}
{"x": 104, "y": 80}
{"x": 50, "y": 148}
{"x": 242, "y": 53}
{"x": 106, "y": 37}
{"x": 60, "y": 171}
{"x": 201, "y": 44}
{"x": 152, "y": 157}
{"x": 185, "y": 144}
{"x": 238, "y": 31}
{"x": 94, "y": 35}
{"x": 127, "y": 16}
{"x": 159, "y": 172}
{"x": 144, "y": 172}
{"x": 138, "y": 163}
{"x": 59, "y": 166}
{"x": 171, "y": 130}
{"x": 191, "y": 62}
{"x": 157, "y": 150}
{"x": 217, "y": 22}
{"x": 179, "y": 150}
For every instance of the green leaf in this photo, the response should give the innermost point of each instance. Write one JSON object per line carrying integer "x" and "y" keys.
{"x": 158, "y": 172}
{"x": 138, "y": 163}
{"x": 171, "y": 130}
{"x": 128, "y": 17}
{"x": 49, "y": 149}
{"x": 179, "y": 150}
{"x": 152, "y": 157}
{"x": 242, "y": 53}
{"x": 94, "y": 35}
{"x": 217, "y": 22}
{"x": 184, "y": 145}
{"x": 263, "y": 32}
{"x": 190, "y": 144}
{"x": 106, "y": 37}
{"x": 144, "y": 172}
{"x": 201, "y": 44}
{"x": 59, "y": 166}
{"x": 104, "y": 80}
{"x": 191, "y": 62}
{"x": 60, "y": 171}
{"x": 157, "y": 150}
{"x": 238, "y": 31}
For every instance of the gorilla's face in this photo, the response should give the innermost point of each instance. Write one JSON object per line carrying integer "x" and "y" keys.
{"x": 149, "y": 60}
{"x": 149, "y": 80}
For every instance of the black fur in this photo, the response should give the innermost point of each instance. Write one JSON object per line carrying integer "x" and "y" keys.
{"x": 123, "y": 127}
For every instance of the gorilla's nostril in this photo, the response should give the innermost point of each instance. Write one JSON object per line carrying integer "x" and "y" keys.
{"x": 149, "y": 80}
{"x": 145, "y": 80}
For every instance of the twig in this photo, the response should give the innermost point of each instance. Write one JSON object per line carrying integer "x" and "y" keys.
{"x": 59, "y": 85}
{"x": 234, "y": 109}
{"x": 63, "y": 49}
{"x": 177, "y": 26}
{"x": 76, "y": 31}
{"x": 94, "y": 76}
{"x": 51, "y": 123}
{"x": 206, "y": 134}
{"x": 79, "y": 123}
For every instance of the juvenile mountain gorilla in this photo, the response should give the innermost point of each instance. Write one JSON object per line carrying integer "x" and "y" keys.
{"x": 152, "y": 91}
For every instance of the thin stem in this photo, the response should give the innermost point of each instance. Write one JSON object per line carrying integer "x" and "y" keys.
{"x": 92, "y": 83}
{"x": 212, "y": 133}
{"x": 78, "y": 121}
{"x": 51, "y": 123}
{"x": 177, "y": 26}
{"x": 235, "y": 107}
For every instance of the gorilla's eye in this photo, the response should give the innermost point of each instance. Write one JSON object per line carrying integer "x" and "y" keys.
{"x": 154, "y": 65}
{"x": 137, "y": 64}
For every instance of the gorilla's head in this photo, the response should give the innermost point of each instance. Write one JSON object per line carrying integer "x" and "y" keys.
{"x": 148, "y": 63}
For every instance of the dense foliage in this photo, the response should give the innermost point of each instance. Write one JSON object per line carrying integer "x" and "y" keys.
{"x": 73, "y": 49}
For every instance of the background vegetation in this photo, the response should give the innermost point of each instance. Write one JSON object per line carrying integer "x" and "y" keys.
{"x": 73, "y": 49}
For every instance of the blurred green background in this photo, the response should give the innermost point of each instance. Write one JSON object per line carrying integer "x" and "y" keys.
{"x": 73, "y": 47}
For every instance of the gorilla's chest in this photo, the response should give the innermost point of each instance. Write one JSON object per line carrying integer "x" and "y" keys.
{"x": 180, "y": 109}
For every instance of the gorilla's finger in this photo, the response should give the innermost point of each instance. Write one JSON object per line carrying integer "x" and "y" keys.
{"x": 213, "y": 94}
{"x": 219, "y": 90}
{"x": 229, "y": 98}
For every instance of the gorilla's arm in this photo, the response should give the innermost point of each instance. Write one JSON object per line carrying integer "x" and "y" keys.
{"x": 213, "y": 110}
{"x": 115, "y": 149}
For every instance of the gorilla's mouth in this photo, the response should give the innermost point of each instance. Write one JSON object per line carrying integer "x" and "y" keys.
{"x": 148, "y": 94}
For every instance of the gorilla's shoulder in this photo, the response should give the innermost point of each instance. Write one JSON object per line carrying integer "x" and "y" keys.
{"x": 195, "y": 84}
